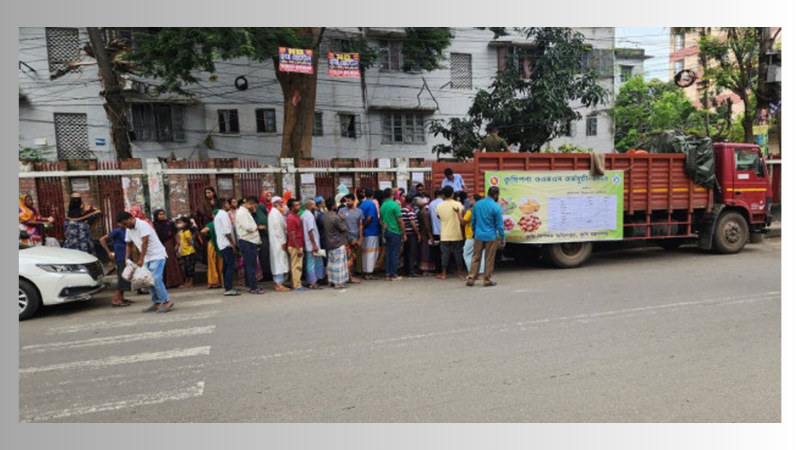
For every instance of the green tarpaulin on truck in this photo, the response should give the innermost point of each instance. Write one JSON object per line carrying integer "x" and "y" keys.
{"x": 699, "y": 153}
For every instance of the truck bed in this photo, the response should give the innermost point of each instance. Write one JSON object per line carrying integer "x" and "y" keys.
{"x": 652, "y": 182}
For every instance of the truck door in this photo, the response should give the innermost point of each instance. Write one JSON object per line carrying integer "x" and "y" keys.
{"x": 750, "y": 180}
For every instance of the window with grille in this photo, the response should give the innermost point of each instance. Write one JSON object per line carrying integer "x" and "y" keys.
{"x": 625, "y": 73}
{"x": 317, "y": 131}
{"x": 461, "y": 70}
{"x": 265, "y": 121}
{"x": 390, "y": 55}
{"x": 600, "y": 60}
{"x": 72, "y": 136}
{"x": 680, "y": 41}
{"x": 678, "y": 67}
{"x": 403, "y": 128}
{"x": 591, "y": 126}
{"x": 518, "y": 57}
{"x": 350, "y": 125}
{"x": 157, "y": 122}
{"x": 228, "y": 120}
{"x": 63, "y": 47}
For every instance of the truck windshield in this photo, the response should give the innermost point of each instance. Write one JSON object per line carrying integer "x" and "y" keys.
{"x": 748, "y": 160}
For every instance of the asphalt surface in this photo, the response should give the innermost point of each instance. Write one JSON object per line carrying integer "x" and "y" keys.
{"x": 642, "y": 335}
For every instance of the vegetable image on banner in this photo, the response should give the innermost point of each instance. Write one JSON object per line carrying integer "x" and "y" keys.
{"x": 343, "y": 65}
{"x": 296, "y": 60}
{"x": 560, "y": 206}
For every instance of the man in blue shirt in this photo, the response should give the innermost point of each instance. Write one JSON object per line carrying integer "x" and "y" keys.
{"x": 454, "y": 180}
{"x": 436, "y": 227}
{"x": 487, "y": 225}
{"x": 372, "y": 235}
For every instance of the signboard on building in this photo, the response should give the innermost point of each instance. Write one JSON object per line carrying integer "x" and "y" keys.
{"x": 560, "y": 206}
{"x": 343, "y": 65}
{"x": 80, "y": 185}
{"x": 296, "y": 60}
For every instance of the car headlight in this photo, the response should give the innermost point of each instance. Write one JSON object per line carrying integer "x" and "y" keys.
{"x": 63, "y": 268}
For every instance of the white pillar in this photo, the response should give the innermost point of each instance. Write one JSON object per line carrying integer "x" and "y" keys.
{"x": 287, "y": 171}
{"x": 402, "y": 173}
{"x": 155, "y": 183}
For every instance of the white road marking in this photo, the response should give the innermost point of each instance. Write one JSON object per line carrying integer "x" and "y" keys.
{"x": 108, "y": 325}
{"x": 136, "y": 401}
{"x": 117, "y": 360}
{"x": 122, "y": 339}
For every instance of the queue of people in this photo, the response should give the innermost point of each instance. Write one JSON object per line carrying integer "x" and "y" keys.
{"x": 299, "y": 245}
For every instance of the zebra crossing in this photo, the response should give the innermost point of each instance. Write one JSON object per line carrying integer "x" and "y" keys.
{"x": 89, "y": 371}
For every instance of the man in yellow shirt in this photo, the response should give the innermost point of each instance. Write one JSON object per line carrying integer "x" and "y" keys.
{"x": 450, "y": 213}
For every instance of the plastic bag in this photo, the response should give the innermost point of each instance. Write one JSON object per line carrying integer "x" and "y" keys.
{"x": 142, "y": 278}
{"x": 130, "y": 267}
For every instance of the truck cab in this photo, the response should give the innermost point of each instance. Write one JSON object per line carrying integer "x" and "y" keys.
{"x": 745, "y": 186}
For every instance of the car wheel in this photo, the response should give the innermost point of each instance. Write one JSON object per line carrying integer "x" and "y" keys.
{"x": 29, "y": 301}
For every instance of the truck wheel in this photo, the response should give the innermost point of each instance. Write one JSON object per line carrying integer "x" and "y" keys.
{"x": 29, "y": 300}
{"x": 569, "y": 255}
{"x": 731, "y": 233}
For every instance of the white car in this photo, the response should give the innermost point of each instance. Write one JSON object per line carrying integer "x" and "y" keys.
{"x": 50, "y": 275}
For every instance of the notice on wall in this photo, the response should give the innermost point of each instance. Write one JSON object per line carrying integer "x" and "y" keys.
{"x": 560, "y": 206}
{"x": 417, "y": 177}
{"x": 296, "y": 60}
{"x": 225, "y": 184}
{"x": 384, "y": 163}
{"x": 384, "y": 185}
{"x": 343, "y": 65}
{"x": 80, "y": 185}
{"x": 307, "y": 178}
{"x": 346, "y": 180}
{"x": 308, "y": 191}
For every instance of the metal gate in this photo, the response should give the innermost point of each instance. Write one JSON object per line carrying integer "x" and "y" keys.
{"x": 50, "y": 195}
{"x": 251, "y": 182}
{"x": 112, "y": 196}
{"x": 197, "y": 183}
{"x": 325, "y": 183}
{"x": 366, "y": 179}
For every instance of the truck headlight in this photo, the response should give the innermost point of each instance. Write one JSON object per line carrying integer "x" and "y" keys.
{"x": 63, "y": 268}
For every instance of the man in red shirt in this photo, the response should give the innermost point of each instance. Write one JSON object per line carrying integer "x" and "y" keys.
{"x": 295, "y": 243}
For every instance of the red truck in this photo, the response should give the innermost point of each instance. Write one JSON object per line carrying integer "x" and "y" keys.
{"x": 661, "y": 203}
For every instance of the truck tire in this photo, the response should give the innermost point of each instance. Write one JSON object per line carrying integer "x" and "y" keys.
{"x": 731, "y": 233}
{"x": 29, "y": 301}
{"x": 568, "y": 255}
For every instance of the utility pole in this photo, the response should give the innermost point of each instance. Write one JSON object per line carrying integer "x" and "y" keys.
{"x": 112, "y": 93}
{"x": 703, "y": 81}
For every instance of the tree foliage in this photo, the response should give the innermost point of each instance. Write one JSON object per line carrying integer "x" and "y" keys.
{"x": 646, "y": 108}
{"x": 176, "y": 56}
{"x": 529, "y": 111}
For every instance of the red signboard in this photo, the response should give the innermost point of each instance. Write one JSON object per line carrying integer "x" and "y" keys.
{"x": 296, "y": 60}
{"x": 343, "y": 65}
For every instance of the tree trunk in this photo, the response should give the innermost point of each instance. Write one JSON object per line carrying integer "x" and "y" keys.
{"x": 112, "y": 93}
{"x": 299, "y": 102}
{"x": 747, "y": 121}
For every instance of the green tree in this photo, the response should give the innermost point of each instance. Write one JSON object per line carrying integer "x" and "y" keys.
{"x": 176, "y": 55}
{"x": 529, "y": 110}
{"x": 646, "y": 108}
{"x": 734, "y": 67}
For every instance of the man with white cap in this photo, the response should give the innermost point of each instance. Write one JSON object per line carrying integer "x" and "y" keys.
{"x": 278, "y": 260}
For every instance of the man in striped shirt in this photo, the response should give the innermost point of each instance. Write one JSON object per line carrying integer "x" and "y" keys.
{"x": 411, "y": 246}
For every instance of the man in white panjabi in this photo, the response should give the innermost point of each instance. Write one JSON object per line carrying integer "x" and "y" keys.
{"x": 278, "y": 259}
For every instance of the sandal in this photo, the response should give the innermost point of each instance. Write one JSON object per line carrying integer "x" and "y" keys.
{"x": 258, "y": 291}
{"x": 120, "y": 305}
{"x": 152, "y": 308}
{"x": 163, "y": 309}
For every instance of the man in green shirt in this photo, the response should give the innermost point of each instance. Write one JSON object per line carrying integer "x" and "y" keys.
{"x": 493, "y": 142}
{"x": 392, "y": 220}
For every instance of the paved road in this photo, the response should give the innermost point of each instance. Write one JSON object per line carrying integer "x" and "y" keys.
{"x": 634, "y": 336}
